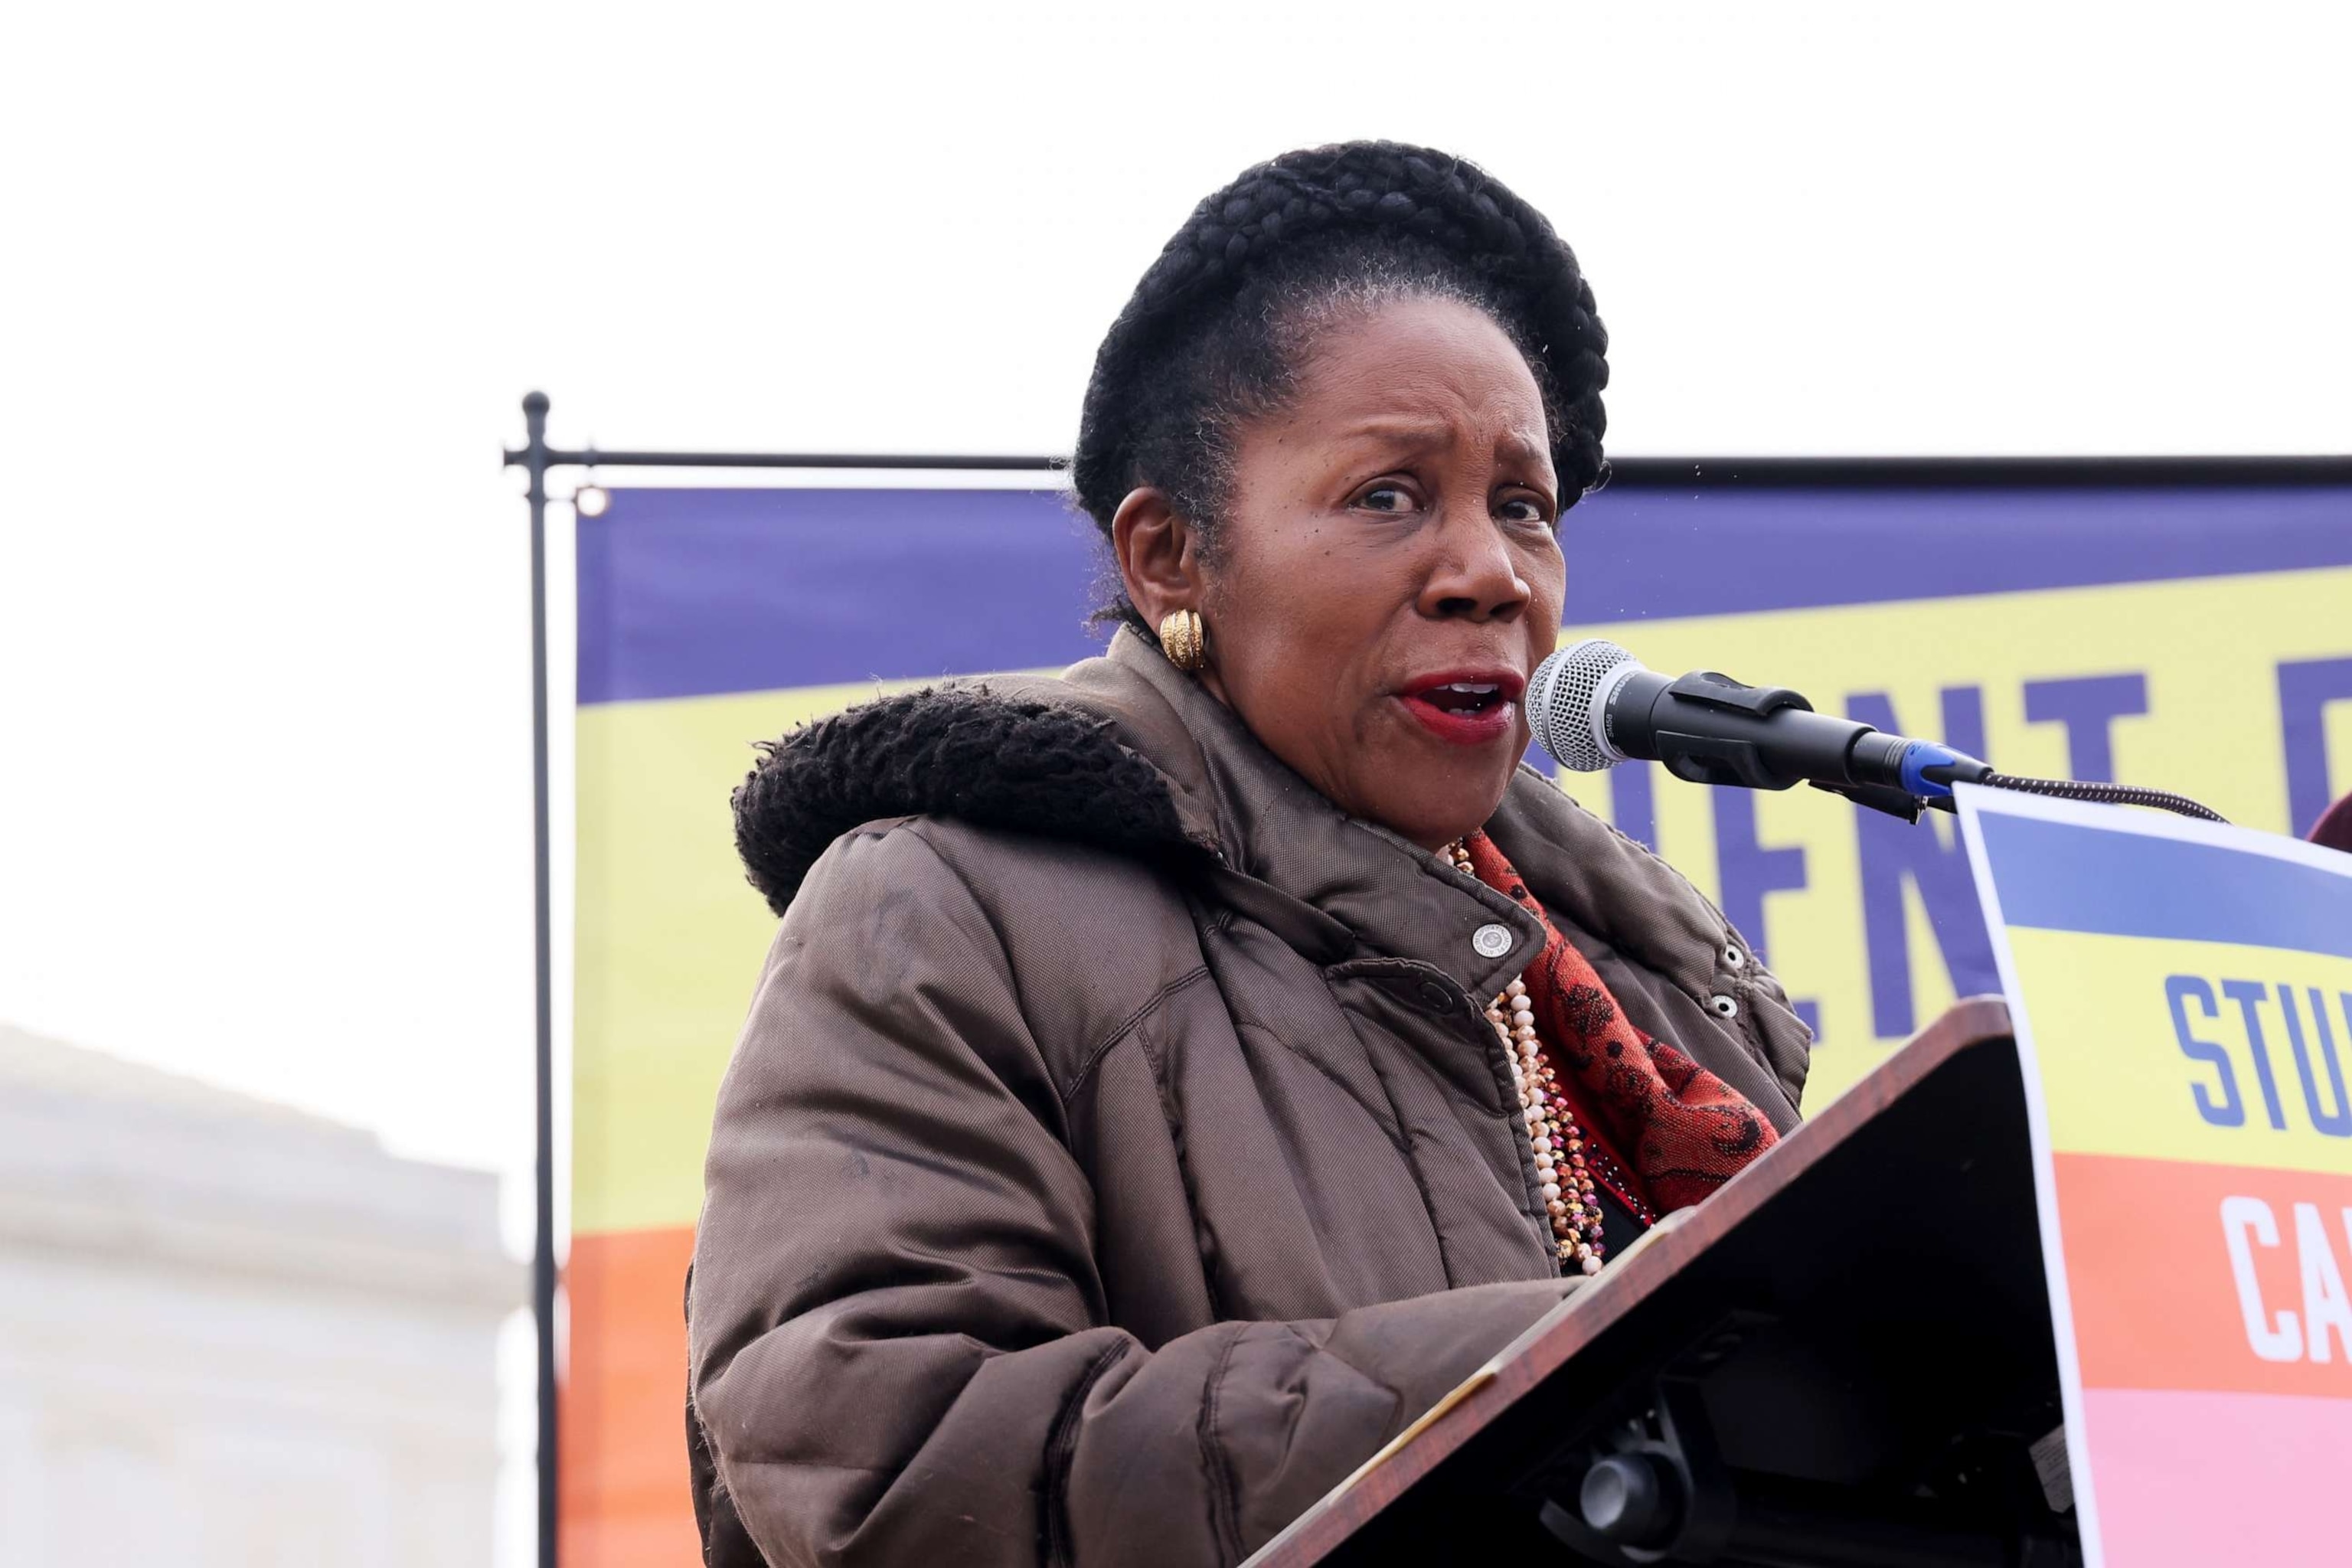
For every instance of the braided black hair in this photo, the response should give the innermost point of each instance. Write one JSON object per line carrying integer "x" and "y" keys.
{"x": 1214, "y": 332}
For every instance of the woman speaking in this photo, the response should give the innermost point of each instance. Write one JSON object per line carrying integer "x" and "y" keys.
{"x": 1171, "y": 1078}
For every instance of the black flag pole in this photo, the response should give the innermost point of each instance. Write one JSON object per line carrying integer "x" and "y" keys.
{"x": 535, "y": 458}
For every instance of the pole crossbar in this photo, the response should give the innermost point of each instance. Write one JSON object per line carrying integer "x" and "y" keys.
{"x": 1624, "y": 473}
{"x": 589, "y": 457}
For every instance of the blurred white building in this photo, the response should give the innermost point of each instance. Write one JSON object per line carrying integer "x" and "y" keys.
{"x": 231, "y": 1333}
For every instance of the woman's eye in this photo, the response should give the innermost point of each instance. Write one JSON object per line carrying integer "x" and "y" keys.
{"x": 1525, "y": 509}
{"x": 1386, "y": 498}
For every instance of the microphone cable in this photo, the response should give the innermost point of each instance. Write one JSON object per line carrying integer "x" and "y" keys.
{"x": 2103, "y": 794}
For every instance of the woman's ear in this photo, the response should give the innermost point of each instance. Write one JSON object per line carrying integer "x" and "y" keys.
{"x": 1158, "y": 555}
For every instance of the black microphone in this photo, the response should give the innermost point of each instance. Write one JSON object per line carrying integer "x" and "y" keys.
{"x": 1592, "y": 705}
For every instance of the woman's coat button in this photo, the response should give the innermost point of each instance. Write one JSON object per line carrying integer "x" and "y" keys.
{"x": 1491, "y": 941}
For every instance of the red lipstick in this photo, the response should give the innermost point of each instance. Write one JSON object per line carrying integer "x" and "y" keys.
{"x": 1466, "y": 707}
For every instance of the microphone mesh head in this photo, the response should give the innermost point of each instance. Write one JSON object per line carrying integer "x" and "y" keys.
{"x": 1565, "y": 703}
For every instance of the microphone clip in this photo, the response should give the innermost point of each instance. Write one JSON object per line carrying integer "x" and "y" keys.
{"x": 1716, "y": 689}
{"x": 1881, "y": 797}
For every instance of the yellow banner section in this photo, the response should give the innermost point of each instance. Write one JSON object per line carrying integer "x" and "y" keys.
{"x": 669, "y": 938}
{"x": 1866, "y": 919}
{"x": 2203, "y": 1051}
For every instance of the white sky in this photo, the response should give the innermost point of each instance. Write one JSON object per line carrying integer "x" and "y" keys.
{"x": 276, "y": 277}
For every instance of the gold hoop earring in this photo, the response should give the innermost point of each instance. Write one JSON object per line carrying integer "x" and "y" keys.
{"x": 1185, "y": 641}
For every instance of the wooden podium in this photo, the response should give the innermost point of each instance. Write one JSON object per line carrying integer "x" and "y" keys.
{"x": 1843, "y": 1359}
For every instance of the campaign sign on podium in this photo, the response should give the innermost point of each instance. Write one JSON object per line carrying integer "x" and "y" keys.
{"x": 2182, "y": 998}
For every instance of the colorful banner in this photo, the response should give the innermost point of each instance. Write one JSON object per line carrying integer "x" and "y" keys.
{"x": 2182, "y": 995}
{"x": 2199, "y": 639}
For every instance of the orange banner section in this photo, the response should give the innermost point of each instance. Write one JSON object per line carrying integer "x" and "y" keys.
{"x": 2219, "y": 1277}
{"x": 623, "y": 1406}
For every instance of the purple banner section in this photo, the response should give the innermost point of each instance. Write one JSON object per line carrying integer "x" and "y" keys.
{"x": 691, "y": 592}
{"x": 1647, "y": 553}
{"x": 698, "y": 592}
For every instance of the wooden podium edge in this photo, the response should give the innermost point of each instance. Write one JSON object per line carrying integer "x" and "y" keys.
{"x": 1649, "y": 1263}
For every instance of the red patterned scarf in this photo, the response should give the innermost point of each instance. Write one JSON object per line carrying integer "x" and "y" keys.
{"x": 1686, "y": 1131}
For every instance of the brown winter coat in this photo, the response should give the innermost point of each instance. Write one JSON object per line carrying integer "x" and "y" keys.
{"x": 1116, "y": 1155}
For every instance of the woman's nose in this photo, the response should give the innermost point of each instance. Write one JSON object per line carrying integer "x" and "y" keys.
{"x": 1474, "y": 574}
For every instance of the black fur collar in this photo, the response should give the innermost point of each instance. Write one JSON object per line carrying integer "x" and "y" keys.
{"x": 952, "y": 750}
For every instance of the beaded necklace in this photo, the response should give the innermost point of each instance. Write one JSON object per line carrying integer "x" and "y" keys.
{"x": 1553, "y": 1132}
